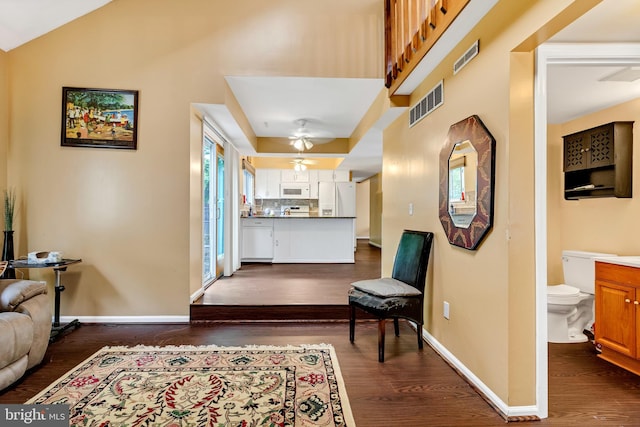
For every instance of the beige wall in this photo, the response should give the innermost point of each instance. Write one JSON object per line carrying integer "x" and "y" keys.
{"x": 597, "y": 225}
{"x": 363, "y": 203}
{"x": 4, "y": 120}
{"x": 375, "y": 210}
{"x": 491, "y": 290}
{"x": 130, "y": 215}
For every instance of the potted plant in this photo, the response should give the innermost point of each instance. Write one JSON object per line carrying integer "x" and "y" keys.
{"x": 7, "y": 248}
{"x": 9, "y": 209}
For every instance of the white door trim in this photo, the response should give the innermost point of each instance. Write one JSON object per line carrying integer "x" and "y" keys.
{"x": 549, "y": 54}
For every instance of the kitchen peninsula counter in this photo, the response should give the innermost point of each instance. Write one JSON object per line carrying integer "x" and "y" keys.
{"x": 311, "y": 215}
{"x": 298, "y": 239}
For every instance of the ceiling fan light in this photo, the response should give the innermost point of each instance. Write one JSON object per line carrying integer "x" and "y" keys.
{"x": 298, "y": 144}
{"x": 307, "y": 144}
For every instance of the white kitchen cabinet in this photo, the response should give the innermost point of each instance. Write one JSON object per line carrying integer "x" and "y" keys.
{"x": 281, "y": 240}
{"x": 291, "y": 175}
{"x": 267, "y": 183}
{"x": 313, "y": 183}
{"x": 313, "y": 240}
{"x": 325, "y": 175}
{"x": 257, "y": 239}
{"x": 330, "y": 175}
{"x": 341, "y": 176}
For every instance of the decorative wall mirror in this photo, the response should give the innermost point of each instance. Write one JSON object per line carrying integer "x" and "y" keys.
{"x": 467, "y": 169}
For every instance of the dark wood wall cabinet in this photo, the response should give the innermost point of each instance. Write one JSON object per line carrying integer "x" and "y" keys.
{"x": 598, "y": 162}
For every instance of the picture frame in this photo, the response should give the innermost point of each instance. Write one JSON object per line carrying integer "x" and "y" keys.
{"x": 101, "y": 118}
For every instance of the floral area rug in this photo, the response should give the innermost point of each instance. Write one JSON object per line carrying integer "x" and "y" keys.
{"x": 204, "y": 386}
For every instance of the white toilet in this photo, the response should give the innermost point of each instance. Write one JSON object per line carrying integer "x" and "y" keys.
{"x": 570, "y": 306}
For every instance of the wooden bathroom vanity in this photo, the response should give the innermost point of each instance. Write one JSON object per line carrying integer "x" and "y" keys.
{"x": 617, "y": 322}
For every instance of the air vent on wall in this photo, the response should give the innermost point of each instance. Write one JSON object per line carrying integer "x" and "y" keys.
{"x": 426, "y": 105}
{"x": 466, "y": 57}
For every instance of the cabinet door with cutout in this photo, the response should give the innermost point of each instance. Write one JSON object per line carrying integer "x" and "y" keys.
{"x": 576, "y": 147}
{"x": 601, "y": 147}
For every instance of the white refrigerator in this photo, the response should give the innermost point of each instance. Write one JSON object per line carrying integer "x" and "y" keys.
{"x": 337, "y": 199}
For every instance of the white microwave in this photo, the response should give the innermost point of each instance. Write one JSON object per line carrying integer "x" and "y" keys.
{"x": 294, "y": 190}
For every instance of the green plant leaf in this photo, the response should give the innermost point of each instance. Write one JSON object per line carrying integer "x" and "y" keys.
{"x": 9, "y": 208}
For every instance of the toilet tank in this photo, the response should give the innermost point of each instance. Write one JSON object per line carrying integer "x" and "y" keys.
{"x": 579, "y": 269}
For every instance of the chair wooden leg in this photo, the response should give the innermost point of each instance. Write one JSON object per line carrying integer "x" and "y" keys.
{"x": 381, "y": 328}
{"x": 396, "y": 326}
{"x": 419, "y": 329}
{"x": 352, "y": 323}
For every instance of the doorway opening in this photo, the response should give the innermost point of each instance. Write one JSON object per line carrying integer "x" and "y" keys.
{"x": 548, "y": 55}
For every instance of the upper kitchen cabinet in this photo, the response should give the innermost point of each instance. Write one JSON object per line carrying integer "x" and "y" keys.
{"x": 330, "y": 175}
{"x": 313, "y": 183}
{"x": 598, "y": 162}
{"x": 291, "y": 175}
{"x": 267, "y": 183}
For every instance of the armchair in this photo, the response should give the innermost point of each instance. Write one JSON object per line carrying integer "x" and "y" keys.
{"x": 25, "y": 326}
{"x": 398, "y": 296}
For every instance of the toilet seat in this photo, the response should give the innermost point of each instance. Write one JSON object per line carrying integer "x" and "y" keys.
{"x": 563, "y": 295}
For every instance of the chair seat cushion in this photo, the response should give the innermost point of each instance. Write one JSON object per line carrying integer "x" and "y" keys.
{"x": 386, "y": 287}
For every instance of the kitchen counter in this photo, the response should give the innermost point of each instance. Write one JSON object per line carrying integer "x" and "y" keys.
{"x": 629, "y": 261}
{"x": 298, "y": 239}
{"x": 297, "y": 216}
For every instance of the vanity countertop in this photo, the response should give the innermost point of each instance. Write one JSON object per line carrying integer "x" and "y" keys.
{"x": 630, "y": 261}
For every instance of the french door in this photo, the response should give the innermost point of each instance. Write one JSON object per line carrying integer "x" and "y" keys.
{"x": 213, "y": 210}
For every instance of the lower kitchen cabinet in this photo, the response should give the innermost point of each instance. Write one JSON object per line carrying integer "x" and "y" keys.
{"x": 257, "y": 239}
{"x": 298, "y": 239}
{"x": 617, "y": 322}
{"x": 314, "y": 240}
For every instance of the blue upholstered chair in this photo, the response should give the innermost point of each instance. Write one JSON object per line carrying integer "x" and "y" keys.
{"x": 398, "y": 296}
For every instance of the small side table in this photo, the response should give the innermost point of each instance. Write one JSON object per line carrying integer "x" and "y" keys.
{"x": 58, "y": 268}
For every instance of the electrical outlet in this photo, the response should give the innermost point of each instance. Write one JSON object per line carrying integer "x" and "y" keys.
{"x": 410, "y": 208}
{"x": 445, "y": 310}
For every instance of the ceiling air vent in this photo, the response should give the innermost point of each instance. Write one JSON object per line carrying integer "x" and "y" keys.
{"x": 468, "y": 56}
{"x": 426, "y": 105}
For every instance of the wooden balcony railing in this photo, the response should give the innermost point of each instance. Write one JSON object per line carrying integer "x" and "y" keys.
{"x": 411, "y": 28}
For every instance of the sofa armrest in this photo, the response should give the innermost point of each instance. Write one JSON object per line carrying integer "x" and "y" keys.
{"x": 39, "y": 310}
{"x": 14, "y": 292}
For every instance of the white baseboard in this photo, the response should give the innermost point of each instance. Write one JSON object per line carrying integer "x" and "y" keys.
{"x": 506, "y": 410}
{"x": 375, "y": 244}
{"x": 126, "y": 319}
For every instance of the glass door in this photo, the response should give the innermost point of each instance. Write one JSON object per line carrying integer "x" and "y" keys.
{"x": 213, "y": 211}
{"x": 219, "y": 210}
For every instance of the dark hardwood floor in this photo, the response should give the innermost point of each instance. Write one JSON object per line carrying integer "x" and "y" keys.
{"x": 411, "y": 388}
{"x": 287, "y": 291}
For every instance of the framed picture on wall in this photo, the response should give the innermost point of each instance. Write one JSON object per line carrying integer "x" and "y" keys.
{"x": 103, "y": 118}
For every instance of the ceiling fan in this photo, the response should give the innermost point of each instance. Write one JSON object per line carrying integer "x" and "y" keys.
{"x": 302, "y": 139}
{"x": 301, "y": 164}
